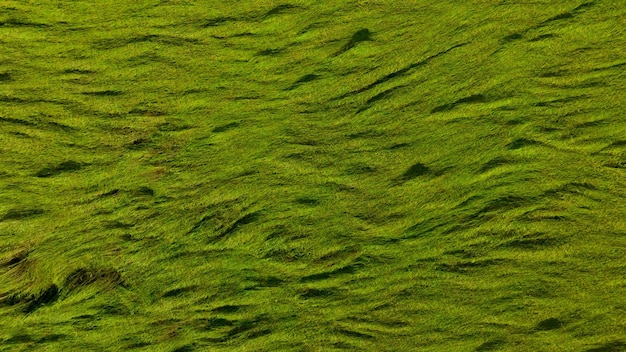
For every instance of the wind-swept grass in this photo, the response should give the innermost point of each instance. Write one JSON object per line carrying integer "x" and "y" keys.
{"x": 313, "y": 176}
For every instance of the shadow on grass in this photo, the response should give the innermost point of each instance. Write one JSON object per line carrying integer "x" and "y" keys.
{"x": 66, "y": 166}
{"x": 359, "y": 36}
{"x": 279, "y": 10}
{"x": 615, "y": 346}
{"x": 87, "y": 276}
{"x": 20, "y": 214}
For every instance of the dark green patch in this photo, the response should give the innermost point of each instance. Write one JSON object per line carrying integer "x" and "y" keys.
{"x": 19, "y": 338}
{"x": 549, "y": 324}
{"x": 268, "y": 52}
{"x": 140, "y": 344}
{"x": 372, "y": 133}
{"x": 401, "y": 72}
{"x": 359, "y": 169}
{"x": 380, "y": 96}
{"x": 127, "y": 237}
{"x": 531, "y": 242}
{"x": 503, "y": 203}
{"x": 490, "y": 345}
{"x": 359, "y": 36}
{"x": 354, "y": 334}
{"x": 398, "y": 146}
{"x": 542, "y": 37}
{"x": 148, "y": 38}
{"x": 318, "y": 293}
{"x": 213, "y": 323}
{"x": 620, "y": 65}
{"x": 416, "y": 170}
{"x": 16, "y": 121}
{"x": 87, "y": 276}
{"x": 144, "y": 191}
{"x": 559, "y": 102}
{"x": 116, "y": 224}
{"x": 269, "y": 281}
{"x": 20, "y": 214}
{"x": 553, "y": 73}
{"x": 422, "y": 228}
{"x": 201, "y": 223}
{"x": 226, "y": 127}
{"x": 52, "y": 338}
{"x": 615, "y": 164}
{"x": 137, "y": 144}
{"x": 12, "y": 299}
{"x": 114, "y": 309}
{"x": 225, "y": 231}
{"x": 284, "y": 255}
{"x": 60, "y": 127}
{"x": 104, "y": 93}
{"x": 20, "y": 134}
{"x": 521, "y": 143}
{"x": 84, "y": 317}
{"x": 308, "y": 78}
{"x": 584, "y": 6}
{"x": 494, "y": 163}
{"x": 242, "y": 327}
{"x": 146, "y": 111}
{"x": 571, "y": 188}
{"x": 17, "y": 22}
{"x": 48, "y": 296}
{"x": 618, "y": 143}
{"x": 226, "y": 309}
{"x": 339, "y": 187}
{"x": 14, "y": 259}
{"x": 173, "y": 126}
{"x": 467, "y": 266}
{"x": 343, "y": 345}
{"x": 463, "y": 253}
{"x": 442, "y": 108}
{"x": 307, "y": 201}
{"x": 338, "y": 255}
{"x": 10, "y": 99}
{"x": 66, "y": 166}
{"x": 279, "y": 9}
{"x": 512, "y": 37}
{"x": 5, "y": 77}
{"x": 348, "y": 269}
{"x": 593, "y": 123}
{"x": 217, "y": 21}
{"x": 78, "y": 71}
{"x": 476, "y": 98}
{"x": 562, "y": 16}
{"x": 186, "y": 348}
{"x": 615, "y": 346}
{"x": 110, "y": 193}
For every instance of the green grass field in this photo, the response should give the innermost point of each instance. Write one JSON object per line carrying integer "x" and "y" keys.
{"x": 372, "y": 175}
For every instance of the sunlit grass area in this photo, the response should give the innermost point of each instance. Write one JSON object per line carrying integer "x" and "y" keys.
{"x": 313, "y": 175}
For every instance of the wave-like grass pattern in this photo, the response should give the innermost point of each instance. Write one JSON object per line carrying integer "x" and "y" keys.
{"x": 312, "y": 175}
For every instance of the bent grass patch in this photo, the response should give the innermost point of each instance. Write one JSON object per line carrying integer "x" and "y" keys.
{"x": 360, "y": 175}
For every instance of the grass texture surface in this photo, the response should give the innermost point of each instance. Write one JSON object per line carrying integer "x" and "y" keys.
{"x": 313, "y": 175}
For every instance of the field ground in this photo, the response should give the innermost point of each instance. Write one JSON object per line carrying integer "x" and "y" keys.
{"x": 430, "y": 175}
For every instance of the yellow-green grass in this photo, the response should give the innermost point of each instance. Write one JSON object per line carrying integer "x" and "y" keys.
{"x": 313, "y": 176}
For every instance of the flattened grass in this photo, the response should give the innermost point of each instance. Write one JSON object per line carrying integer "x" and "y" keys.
{"x": 416, "y": 175}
